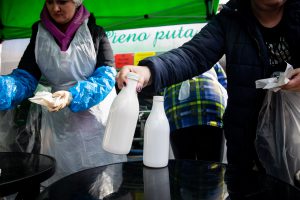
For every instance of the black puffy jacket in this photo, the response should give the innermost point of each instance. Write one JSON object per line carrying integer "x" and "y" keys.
{"x": 232, "y": 32}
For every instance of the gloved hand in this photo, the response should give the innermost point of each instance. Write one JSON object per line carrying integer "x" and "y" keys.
{"x": 63, "y": 99}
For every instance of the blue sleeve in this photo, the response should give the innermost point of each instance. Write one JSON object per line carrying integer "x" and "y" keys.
{"x": 92, "y": 91}
{"x": 16, "y": 87}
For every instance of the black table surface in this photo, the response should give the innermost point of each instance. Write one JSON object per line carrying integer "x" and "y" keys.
{"x": 21, "y": 171}
{"x": 181, "y": 179}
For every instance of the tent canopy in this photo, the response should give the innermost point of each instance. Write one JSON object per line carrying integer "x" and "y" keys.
{"x": 17, "y": 17}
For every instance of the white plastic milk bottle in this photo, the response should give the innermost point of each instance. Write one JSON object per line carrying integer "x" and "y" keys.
{"x": 122, "y": 118}
{"x": 156, "y": 136}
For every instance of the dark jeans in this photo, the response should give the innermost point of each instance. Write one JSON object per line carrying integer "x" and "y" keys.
{"x": 198, "y": 143}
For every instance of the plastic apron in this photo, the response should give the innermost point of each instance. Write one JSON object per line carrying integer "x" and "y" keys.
{"x": 73, "y": 139}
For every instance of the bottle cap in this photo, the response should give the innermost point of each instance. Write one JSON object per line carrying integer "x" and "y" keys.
{"x": 158, "y": 98}
{"x": 132, "y": 75}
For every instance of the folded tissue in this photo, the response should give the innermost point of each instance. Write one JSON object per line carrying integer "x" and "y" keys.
{"x": 45, "y": 99}
{"x": 274, "y": 83}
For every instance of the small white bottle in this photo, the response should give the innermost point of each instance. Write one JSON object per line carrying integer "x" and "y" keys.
{"x": 122, "y": 118}
{"x": 156, "y": 136}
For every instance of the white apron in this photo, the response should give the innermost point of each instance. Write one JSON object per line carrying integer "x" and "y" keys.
{"x": 73, "y": 139}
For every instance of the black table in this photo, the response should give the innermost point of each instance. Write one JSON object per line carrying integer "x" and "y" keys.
{"x": 181, "y": 179}
{"x": 22, "y": 173}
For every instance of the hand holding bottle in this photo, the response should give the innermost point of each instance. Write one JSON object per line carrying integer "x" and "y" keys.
{"x": 142, "y": 71}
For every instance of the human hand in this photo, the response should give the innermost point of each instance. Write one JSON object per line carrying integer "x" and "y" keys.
{"x": 143, "y": 71}
{"x": 294, "y": 83}
{"x": 62, "y": 99}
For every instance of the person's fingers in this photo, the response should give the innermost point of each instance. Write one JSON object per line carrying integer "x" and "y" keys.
{"x": 146, "y": 76}
{"x": 57, "y": 94}
{"x": 62, "y": 94}
{"x": 295, "y": 72}
{"x": 142, "y": 71}
{"x": 294, "y": 82}
{"x": 62, "y": 99}
{"x": 59, "y": 104}
{"x": 52, "y": 109}
{"x": 292, "y": 85}
{"x": 140, "y": 84}
{"x": 122, "y": 76}
{"x": 64, "y": 104}
{"x": 56, "y": 108}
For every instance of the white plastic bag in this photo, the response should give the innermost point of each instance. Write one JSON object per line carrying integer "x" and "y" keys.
{"x": 19, "y": 128}
{"x": 184, "y": 91}
{"x": 278, "y": 134}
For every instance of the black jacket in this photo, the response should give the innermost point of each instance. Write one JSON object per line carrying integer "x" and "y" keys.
{"x": 102, "y": 46}
{"x": 232, "y": 32}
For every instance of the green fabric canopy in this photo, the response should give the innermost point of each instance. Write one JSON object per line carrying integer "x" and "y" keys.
{"x": 17, "y": 16}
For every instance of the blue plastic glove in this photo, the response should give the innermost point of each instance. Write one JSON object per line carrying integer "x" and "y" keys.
{"x": 16, "y": 87}
{"x": 88, "y": 93}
